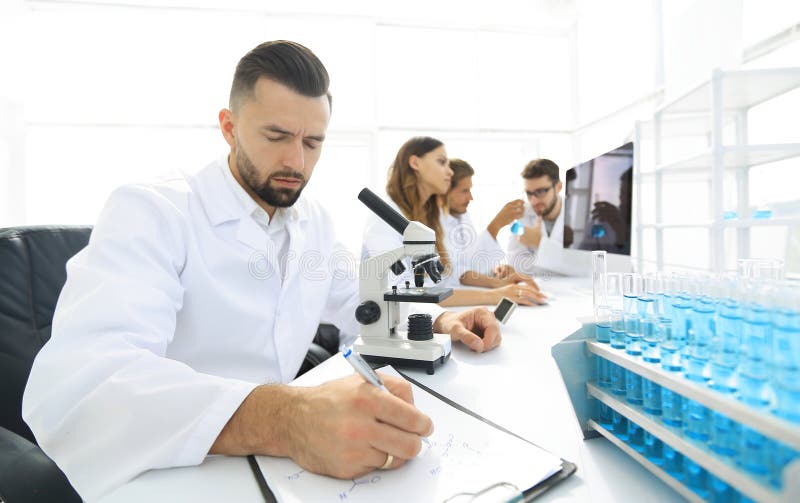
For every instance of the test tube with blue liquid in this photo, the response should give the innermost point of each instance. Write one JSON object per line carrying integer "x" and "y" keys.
{"x": 756, "y": 352}
{"x": 702, "y": 328}
{"x": 648, "y": 314}
{"x": 755, "y": 453}
{"x": 720, "y": 492}
{"x": 696, "y": 417}
{"x": 785, "y": 298}
{"x": 636, "y": 436}
{"x": 756, "y": 358}
{"x": 651, "y": 339}
{"x": 631, "y": 289}
{"x": 672, "y": 461}
{"x": 617, "y": 331}
{"x": 696, "y": 477}
{"x": 673, "y": 340}
{"x": 724, "y": 435}
{"x": 653, "y": 448}
{"x": 782, "y": 455}
{"x": 727, "y": 342}
{"x": 602, "y": 314}
{"x": 602, "y": 309}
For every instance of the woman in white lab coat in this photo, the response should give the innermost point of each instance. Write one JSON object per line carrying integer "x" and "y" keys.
{"x": 418, "y": 179}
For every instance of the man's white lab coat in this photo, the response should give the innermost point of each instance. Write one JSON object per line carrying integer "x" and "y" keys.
{"x": 170, "y": 316}
{"x": 547, "y": 256}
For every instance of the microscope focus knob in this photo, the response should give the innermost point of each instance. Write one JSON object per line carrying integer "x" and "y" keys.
{"x": 368, "y": 312}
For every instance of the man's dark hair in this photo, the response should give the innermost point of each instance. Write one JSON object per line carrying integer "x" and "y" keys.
{"x": 541, "y": 167}
{"x": 285, "y": 62}
{"x": 461, "y": 169}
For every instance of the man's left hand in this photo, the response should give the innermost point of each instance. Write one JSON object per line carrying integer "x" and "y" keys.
{"x": 476, "y": 327}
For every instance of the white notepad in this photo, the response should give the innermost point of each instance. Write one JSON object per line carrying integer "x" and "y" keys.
{"x": 464, "y": 454}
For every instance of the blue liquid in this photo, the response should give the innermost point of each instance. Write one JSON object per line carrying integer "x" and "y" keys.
{"x": 653, "y": 448}
{"x": 720, "y": 492}
{"x": 602, "y": 332}
{"x": 671, "y": 407}
{"x": 633, "y": 335}
{"x": 633, "y": 388}
{"x": 696, "y": 420}
{"x": 782, "y": 455}
{"x": 620, "y": 425}
{"x": 696, "y": 477}
{"x": 603, "y": 372}
{"x": 756, "y": 357}
{"x": 702, "y": 333}
{"x": 673, "y": 462}
{"x": 674, "y": 340}
{"x": 517, "y": 228}
{"x": 618, "y": 379}
{"x": 598, "y": 231}
{"x": 786, "y": 378}
{"x": 651, "y": 337}
{"x": 617, "y": 339}
{"x": 635, "y": 436}
{"x": 724, "y": 435}
{"x": 651, "y": 394}
{"x": 754, "y": 455}
{"x": 725, "y": 355}
{"x": 604, "y": 416}
{"x": 664, "y": 305}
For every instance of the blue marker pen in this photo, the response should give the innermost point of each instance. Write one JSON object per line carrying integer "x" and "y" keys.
{"x": 363, "y": 368}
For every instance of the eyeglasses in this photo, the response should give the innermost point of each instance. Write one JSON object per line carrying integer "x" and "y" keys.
{"x": 539, "y": 193}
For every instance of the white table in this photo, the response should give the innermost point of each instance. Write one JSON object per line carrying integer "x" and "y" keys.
{"x": 516, "y": 385}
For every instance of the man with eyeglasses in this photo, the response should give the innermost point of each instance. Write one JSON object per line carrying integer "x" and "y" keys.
{"x": 543, "y": 219}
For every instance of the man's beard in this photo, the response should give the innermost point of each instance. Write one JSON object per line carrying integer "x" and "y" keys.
{"x": 277, "y": 198}
{"x": 549, "y": 208}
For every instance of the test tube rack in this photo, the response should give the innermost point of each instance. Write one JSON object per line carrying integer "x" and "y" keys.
{"x": 576, "y": 359}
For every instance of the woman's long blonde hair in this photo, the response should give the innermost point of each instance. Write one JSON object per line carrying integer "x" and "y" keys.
{"x": 402, "y": 188}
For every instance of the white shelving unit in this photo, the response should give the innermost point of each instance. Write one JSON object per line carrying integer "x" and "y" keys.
{"x": 723, "y": 468}
{"x": 704, "y": 112}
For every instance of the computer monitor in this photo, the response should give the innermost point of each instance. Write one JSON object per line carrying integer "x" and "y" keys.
{"x": 597, "y": 213}
{"x": 598, "y": 201}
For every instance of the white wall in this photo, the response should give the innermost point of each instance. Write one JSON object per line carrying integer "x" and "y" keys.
{"x": 95, "y": 93}
{"x": 111, "y": 92}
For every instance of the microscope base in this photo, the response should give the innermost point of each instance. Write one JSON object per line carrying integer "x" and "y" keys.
{"x": 401, "y": 352}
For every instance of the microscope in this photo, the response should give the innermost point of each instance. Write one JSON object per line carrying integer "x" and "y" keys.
{"x": 379, "y": 309}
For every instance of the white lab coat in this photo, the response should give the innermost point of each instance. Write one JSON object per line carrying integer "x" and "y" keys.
{"x": 468, "y": 249}
{"x": 547, "y": 256}
{"x": 168, "y": 319}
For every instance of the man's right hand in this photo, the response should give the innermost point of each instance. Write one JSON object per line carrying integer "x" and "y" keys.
{"x": 344, "y": 428}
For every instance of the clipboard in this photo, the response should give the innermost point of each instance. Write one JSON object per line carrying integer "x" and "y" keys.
{"x": 566, "y": 470}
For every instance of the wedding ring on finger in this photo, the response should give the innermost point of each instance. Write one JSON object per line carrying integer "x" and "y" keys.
{"x": 388, "y": 463}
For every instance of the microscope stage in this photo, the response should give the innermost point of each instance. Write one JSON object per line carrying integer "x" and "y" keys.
{"x": 399, "y": 351}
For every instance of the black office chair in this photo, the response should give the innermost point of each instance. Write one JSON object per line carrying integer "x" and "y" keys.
{"x": 32, "y": 274}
